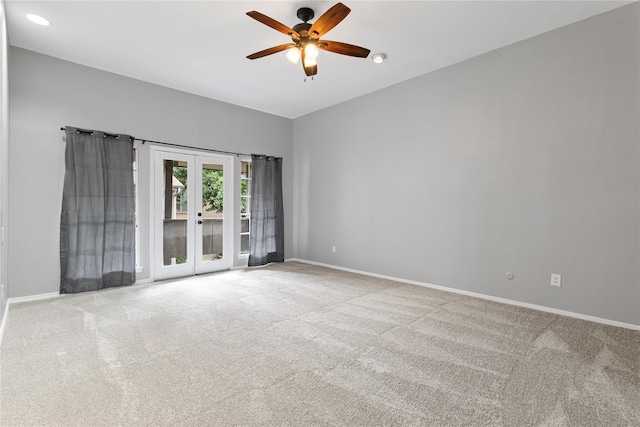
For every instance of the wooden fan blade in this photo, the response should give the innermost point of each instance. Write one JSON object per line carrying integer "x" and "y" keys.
{"x": 328, "y": 20}
{"x": 343, "y": 48}
{"x": 270, "y": 22}
{"x": 270, "y": 51}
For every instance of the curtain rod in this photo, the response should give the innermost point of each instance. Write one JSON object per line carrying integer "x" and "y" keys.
{"x": 143, "y": 141}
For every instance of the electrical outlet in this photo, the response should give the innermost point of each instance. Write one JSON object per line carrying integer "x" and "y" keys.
{"x": 556, "y": 280}
{"x": 333, "y": 249}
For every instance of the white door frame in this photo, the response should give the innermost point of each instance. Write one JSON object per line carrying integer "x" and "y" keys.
{"x": 195, "y": 159}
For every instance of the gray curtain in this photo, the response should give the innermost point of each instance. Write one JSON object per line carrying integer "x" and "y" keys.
{"x": 267, "y": 212}
{"x": 97, "y": 225}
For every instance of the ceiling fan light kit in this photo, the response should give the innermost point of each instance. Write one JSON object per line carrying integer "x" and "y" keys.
{"x": 305, "y": 37}
{"x": 293, "y": 54}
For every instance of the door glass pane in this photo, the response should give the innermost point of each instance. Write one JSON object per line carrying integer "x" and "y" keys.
{"x": 211, "y": 211}
{"x": 175, "y": 210}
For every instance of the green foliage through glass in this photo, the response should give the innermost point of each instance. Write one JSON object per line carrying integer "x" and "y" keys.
{"x": 212, "y": 187}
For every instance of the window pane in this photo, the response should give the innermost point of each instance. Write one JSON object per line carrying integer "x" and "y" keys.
{"x": 245, "y": 169}
{"x": 243, "y": 187}
{"x": 244, "y": 244}
{"x": 245, "y": 205}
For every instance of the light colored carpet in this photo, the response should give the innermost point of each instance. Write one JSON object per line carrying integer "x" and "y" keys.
{"x": 300, "y": 345}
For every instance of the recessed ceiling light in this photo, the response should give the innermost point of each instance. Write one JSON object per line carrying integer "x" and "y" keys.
{"x": 37, "y": 19}
{"x": 379, "y": 58}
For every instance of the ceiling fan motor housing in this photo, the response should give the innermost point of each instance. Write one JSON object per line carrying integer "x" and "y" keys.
{"x": 305, "y": 14}
{"x": 303, "y": 30}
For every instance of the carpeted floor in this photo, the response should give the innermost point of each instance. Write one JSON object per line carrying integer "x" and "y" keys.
{"x": 300, "y": 345}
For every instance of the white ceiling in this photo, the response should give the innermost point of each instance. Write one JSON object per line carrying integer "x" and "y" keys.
{"x": 200, "y": 47}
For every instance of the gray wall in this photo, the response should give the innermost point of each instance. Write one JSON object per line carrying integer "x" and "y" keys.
{"x": 524, "y": 159}
{"x": 47, "y": 93}
{"x": 4, "y": 159}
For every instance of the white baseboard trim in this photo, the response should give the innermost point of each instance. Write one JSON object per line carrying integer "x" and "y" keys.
{"x": 478, "y": 295}
{"x": 31, "y": 298}
{"x": 4, "y": 321}
{"x": 18, "y": 300}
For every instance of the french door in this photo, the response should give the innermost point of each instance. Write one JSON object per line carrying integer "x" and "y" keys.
{"x": 192, "y": 211}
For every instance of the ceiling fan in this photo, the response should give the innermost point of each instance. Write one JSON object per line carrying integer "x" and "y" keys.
{"x": 306, "y": 37}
